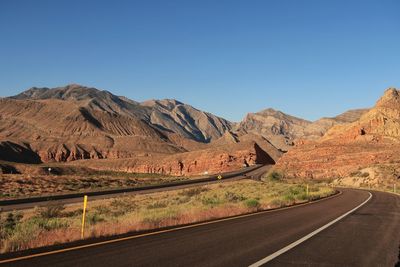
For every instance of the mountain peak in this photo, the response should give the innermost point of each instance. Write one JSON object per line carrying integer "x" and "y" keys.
{"x": 390, "y": 99}
{"x": 70, "y": 91}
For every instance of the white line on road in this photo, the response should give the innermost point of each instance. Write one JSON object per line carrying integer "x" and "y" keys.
{"x": 301, "y": 240}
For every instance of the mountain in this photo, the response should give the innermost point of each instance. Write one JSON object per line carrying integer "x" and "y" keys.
{"x": 372, "y": 141}
{"x": 282, "y": 130}
{"x": 318, "y": 128}
{"x": 166, "y": 115}
{"x": 75, "y": 123}
{"x": 79, "y": 128}
{"x": 185, "y": 120}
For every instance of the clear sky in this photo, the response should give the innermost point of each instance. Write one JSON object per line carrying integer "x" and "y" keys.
{"x": 306, "y": 58}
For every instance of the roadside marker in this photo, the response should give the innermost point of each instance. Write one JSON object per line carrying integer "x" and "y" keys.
{"x": 219, "y": 177}
{"x": 307, "y": 189}
{"x": 83, "y": 216}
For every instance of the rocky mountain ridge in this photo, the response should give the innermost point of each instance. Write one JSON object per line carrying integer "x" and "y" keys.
{"x": 372, "y": 140}
{"x": 284, "y": 130}
{"x": 84, "y": 124}
{"x": 77, "y": 123}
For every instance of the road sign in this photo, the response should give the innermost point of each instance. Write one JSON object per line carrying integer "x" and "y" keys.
{"x": 219, "y": 177}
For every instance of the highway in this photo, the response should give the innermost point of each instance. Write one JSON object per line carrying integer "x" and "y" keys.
{"x": 254, "y": 172}
{"x": 367, "y": 236}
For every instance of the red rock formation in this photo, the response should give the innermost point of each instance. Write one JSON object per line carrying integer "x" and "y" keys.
{"x": 373, "y": 139}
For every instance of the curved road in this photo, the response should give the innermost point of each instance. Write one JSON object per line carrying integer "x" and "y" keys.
{"x": 369, "y": 236}
{"x": 28, "y": 203}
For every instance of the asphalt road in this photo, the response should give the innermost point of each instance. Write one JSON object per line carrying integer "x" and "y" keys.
{"x": 369, "y": 236}
{"x": 21, "y": 204}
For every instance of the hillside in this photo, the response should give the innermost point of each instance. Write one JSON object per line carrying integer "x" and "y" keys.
{"x": 167, "y": 115}
{"x": 282, "y": 130}
{"x": 370, "y": 142}
{"x": 77, "y": 123}
{"x": 185, "y": 120}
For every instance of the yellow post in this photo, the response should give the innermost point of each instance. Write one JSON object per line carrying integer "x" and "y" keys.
{"x": 83, "y": 216}
{"x": 307, "y": 190}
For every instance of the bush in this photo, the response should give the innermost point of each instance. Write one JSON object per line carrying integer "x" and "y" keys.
{"x": 277, "y": 203}
{"x": 119, "y": 207}
{"x": 51, "y": 211}
{"x": 193, "y": 191}
{"x": 211, "y": 201}
{"x": 47, "y": 223}
{"x": 22, "y": 235}
{"x": 233, "y": 197}
{"x": 274, "y": 176}
{"x": 295, "y": 190}
{"x": 252, "y": 203}
{"x": 182, "y": 200}
{"x": 303, "y": 196}
{"x": 157, "y": 205}
{"x": 9, "y": 223}
{"x": 93, "y": 218}
{"x": 289, "y": 198}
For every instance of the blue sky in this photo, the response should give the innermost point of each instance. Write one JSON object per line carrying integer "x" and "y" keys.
{"x": 306, "y": 58}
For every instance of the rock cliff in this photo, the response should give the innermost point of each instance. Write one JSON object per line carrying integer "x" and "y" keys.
{"x": 372, "y": 140}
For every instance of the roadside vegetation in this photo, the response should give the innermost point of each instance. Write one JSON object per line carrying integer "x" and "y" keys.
{"x": 383, "y": 177}
{"x": 22, "y": 185}
{"x": 59, "y": 224}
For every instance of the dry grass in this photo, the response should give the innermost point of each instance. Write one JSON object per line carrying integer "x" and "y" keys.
{"x": 382, "y": 177}
{"x": 42, "y": 227}
{"x": 22, "y": 185}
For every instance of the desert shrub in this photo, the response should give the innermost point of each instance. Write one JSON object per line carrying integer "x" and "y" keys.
{"x": 47, "y": 224}
{"x": 313, "y": 189}
{"x": 211, "y": 201}
{"x": 303, "y": 196}
{"x": 51, "y": 211}
{"x": 277, "y": 203}
{"x": 103, "y": 210}
{"x": 233, "y": 197}
{"x": 252, "y": 203}
{"x": 182, "y": 200}
{"x": 73, "y": 213}
{"x": 120, "y": 207}
{"x": 274, "y": 176}
{"x": 93, "y": 218}
{"x": 157, "y": 217}
{"x": 9, "y": 223}
{"x": 289, "y": 198}
{"x": 21, "y": 236}
{"x": 295, "y": 190}
{"x": 152, "y": 220}
{"x": 193, "y": 191}
{"x": 157, "y": 205}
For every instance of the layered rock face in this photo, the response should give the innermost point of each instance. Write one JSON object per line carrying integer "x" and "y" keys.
{"x": 372, "y": 140}
{"x": 66, "y": 130}
{"x": 185, "y": 120}
{"x": 283, "y": 130}
{"x": 167, "y": 115}
{"x": 212, "y": 160}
